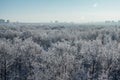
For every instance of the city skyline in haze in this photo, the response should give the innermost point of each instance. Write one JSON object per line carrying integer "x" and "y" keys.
{"x": 61, "y": 10}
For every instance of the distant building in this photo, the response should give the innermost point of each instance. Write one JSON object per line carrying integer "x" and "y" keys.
{"x": 2, "y": 21}
{"x": 56, "y": 21}
{"x": 113, "y": 21}
{"x": 107, "y": 21}
{"x": 8, "y": 21}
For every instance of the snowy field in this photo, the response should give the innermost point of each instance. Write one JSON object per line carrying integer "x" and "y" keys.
{"x": 42, "y": 52}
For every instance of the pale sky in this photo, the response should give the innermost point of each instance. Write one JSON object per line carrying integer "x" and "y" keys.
{"x": 61, "y": 10}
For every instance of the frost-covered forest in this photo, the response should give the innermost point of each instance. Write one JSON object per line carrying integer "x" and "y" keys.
{"x": 59, "y": 52}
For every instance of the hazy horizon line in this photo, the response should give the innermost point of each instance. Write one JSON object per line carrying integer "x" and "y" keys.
{"x": 59, "y": 21}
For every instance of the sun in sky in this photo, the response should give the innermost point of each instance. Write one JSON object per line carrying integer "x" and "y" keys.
{"x": 95, "y": 5}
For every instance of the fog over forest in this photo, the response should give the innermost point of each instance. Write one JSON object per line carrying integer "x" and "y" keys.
{"x": 43, "y": 52}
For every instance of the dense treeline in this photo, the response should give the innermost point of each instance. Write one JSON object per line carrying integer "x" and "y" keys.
{"x": 59, "y": 53}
